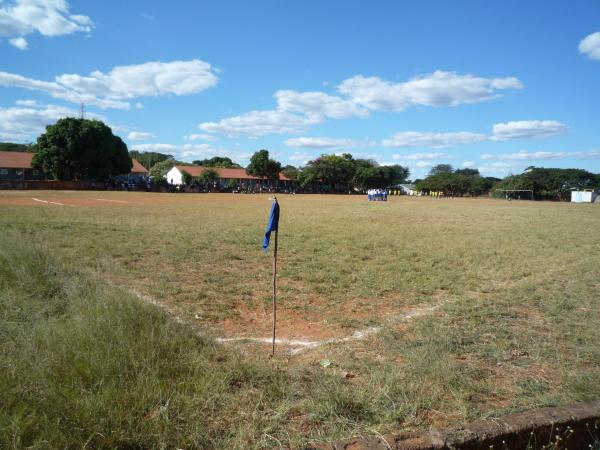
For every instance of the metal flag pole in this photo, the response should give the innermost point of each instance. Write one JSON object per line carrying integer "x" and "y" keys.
{"x": 274, "y": 286}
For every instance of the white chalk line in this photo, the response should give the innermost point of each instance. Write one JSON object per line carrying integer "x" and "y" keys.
{"x": 46, "y": 201}
{"x": 299, "y": 345}
{"x": 110, "y": 200}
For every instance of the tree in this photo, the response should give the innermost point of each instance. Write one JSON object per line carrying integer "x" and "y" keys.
{"x": 262, "y": 166}
{"x": 209, "y": 176}
{"x": 290, "y": 171}
{"x": 159, "y": 170}
{"x": 186, "y": 178}
{"x": 551, "y": 183}
{"x": 12, "y": 147}
{"x": 441, "y": 168}
{"x": 468, "y": 172}
{"x": 447, "y": 182}
{"x": 366, "y": 176}
{"x": 80, "y": 148}
{"x": 347, "y": 172}
{"x": 217, "y": 161}
{"x": 330, "y": 170}
{"x": 481, "y": 185}
{"x": 394, "y": 174}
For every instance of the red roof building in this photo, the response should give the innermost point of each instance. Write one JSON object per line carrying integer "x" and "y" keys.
{"x": 15, "y": 160}
{"x": 17, "y": 166}
{"x": 224, "y": 173}
{"x": 137, "y": 168}
{"x": 224, "y": 176}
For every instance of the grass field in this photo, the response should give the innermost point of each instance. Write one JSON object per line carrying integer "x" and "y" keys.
{"x": 471, "y": 308}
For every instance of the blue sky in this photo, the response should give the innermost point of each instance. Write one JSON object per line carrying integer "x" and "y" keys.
{"x": 497, "y": 86}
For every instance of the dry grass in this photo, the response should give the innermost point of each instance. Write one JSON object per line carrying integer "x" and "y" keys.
{"x": 517, "y": 283}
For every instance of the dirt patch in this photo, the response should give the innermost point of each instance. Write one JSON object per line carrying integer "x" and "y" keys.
{"x": 257, "y": 321}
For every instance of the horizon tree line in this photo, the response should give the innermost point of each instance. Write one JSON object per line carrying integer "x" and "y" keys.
{"x": 75, "y": 148}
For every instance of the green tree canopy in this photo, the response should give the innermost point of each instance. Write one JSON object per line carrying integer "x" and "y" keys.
{"x": 262, "y": 166}
{"x": 551, "y": 183}
{"x": 290, "y": 171}
{"x": 368, "y": 174}
{"x": 456, "y": 182}
{"x": 160, "y": 169}
{"x": 441, "y": 168}
{"x": 448, "y": 182}
{"x": 80, "y": 148}
{"x": 12, "y": 147}
{"x": 218, "y": 161}
{"x": 209, "y": 175}
{"x": 468, "y": 172}
{"x": 344, "y": 170}
{"x": 329, "y": 169}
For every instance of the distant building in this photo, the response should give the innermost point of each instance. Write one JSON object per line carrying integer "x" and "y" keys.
{"x": 17, "y": 166}
{"x": 585, "y": 196}
{"x": 225, "y": 175}
{"x": 138, "y": 169}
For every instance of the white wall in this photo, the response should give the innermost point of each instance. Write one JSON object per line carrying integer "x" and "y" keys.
{"x": 174, "y": 176}
{"x": 583, "y": 197}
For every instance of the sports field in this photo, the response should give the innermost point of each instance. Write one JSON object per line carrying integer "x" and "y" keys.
{"x": 393, "y": 315}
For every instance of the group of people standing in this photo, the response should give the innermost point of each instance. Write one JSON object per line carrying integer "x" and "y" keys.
{"x": 377, "y": 195}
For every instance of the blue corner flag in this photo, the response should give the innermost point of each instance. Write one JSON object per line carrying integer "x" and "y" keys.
{"x": 272, "y": 225}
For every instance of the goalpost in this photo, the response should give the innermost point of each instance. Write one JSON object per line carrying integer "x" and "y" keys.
{"x": 514, "y": 194}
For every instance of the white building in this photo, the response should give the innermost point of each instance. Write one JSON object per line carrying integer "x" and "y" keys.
{"x": 175, "y": 175}
{"x": 587, "y": 196}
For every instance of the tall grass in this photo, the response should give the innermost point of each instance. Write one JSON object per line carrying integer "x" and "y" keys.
{"x": 83, "y": 364}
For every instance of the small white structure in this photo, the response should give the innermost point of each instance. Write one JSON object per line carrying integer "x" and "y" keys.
{"x": 587, "y": 196}
{"x": 174, "y": 176}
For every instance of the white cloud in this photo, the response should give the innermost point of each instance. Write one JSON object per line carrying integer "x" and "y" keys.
{"x": 140, "y": 136}
{"x": 48, "y": 17}
{"x": 318, "y": 104}
{"x": 298, "y": 110}
{"x": 260, "y": 123}
{"x": 435, "y": 140}
{"x": 468, "y": 164}
{"x": 487, "y": 156}
{"x": 423, "y": 164}
{"x": 299, "y": 156}
{"x": 325, "y": 142}
{"x": 26, "y": 123}
{"x": 436, "y": 89}
{"x": 527, "y": 129}
{"x": 416, "y": 156}
{"x": 540, "y": 155}
{"x": 498, "y": 168}
{"x": 31, "y": 103}
{"x": 20, "y": 43}
{"x": 200, "y": 137}
{"x": 110, "y": 90}
{"x": 202, "y": 151}
{"x": 590, "y": 45}
{"x": 160, "y": 148}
